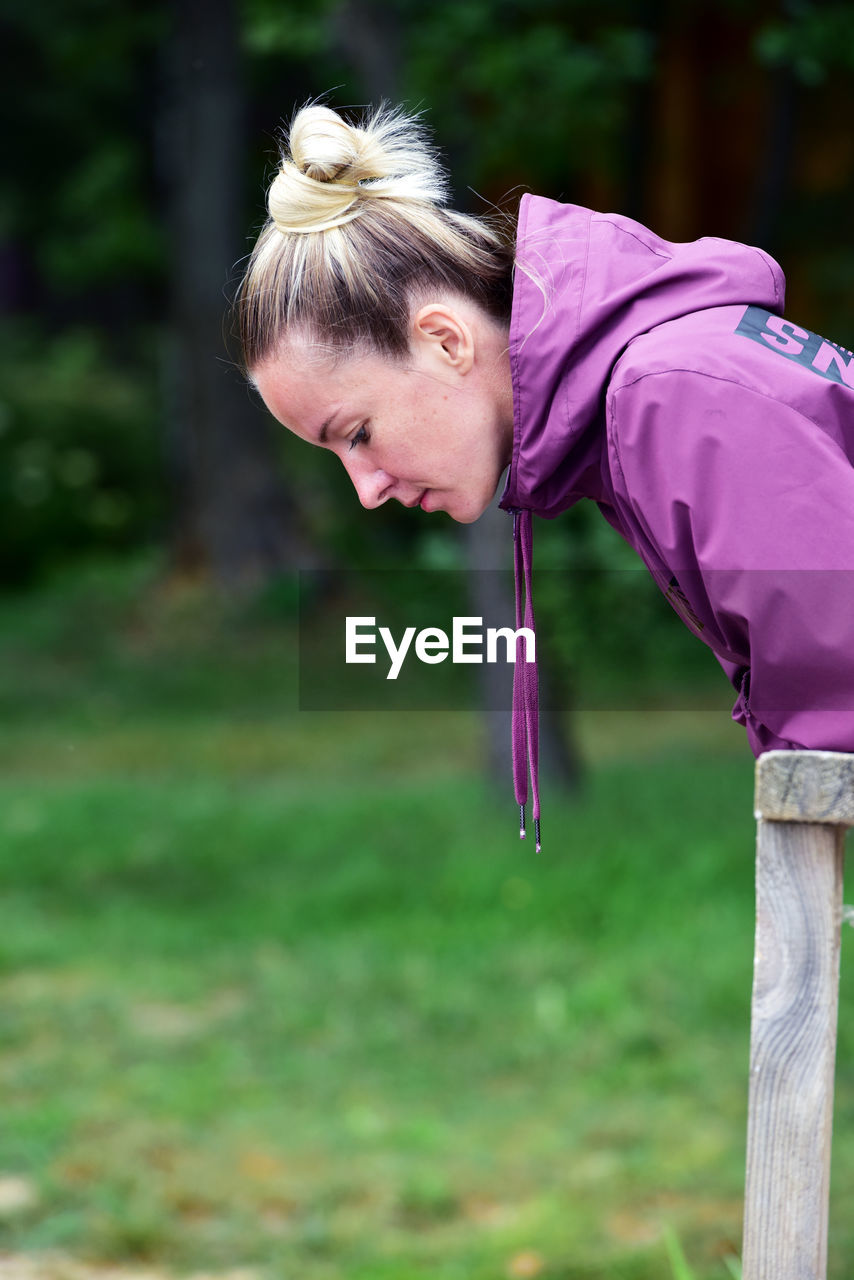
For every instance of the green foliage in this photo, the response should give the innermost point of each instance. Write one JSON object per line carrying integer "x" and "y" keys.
{"x": 679, "y": 1263}
{"x": 540, "y": 92}
{"x": 255, "y": 1048}
{"x": 285, "y": 991}
{"x": 813, "y": 39}
{"x": 79, "y": 450}
{"x": 107, "y": 231}
{"x": 76, "y": 185}
{"x": 552, "y": 96}
{"x": 293, "y": 31}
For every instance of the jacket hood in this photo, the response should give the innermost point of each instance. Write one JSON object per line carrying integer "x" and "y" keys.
{"x": 586, "y": 284}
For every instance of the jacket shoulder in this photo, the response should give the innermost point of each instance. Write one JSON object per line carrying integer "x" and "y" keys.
{"x": 752, "y": 348}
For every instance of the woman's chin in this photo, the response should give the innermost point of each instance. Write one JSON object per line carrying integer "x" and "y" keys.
{"x": 464, "y": 509}
{"x": 466, "y": 513}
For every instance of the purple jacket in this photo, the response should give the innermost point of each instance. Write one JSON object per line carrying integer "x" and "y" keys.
{"x": 659, "y": 380}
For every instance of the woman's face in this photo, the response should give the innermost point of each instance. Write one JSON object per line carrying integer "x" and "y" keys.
{"x": 433, "y": 431}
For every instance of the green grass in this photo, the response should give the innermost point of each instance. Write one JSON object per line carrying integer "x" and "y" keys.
{"x": 286, "y": 991}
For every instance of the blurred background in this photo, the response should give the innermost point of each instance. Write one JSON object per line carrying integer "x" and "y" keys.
{"x": 282, "y": 995}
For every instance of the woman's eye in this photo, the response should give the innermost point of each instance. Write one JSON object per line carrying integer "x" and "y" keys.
{"x": 361, "y": 437}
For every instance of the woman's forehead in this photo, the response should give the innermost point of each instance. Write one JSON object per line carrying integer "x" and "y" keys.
{"x": 303, "y": 363}
{"x": 304, "y": 391}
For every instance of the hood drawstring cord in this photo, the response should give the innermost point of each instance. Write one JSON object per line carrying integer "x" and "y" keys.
{"x": 525, "y": 727}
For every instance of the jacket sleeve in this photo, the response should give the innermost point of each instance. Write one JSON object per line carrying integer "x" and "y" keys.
{"x": 749, "y": 505}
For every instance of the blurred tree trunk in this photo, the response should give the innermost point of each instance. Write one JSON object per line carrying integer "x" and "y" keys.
{"x": 774, "y": 160}
{"x": 723, "y": 139}
{"x": 232, "y": 517}
{"x": 369, "y": 35}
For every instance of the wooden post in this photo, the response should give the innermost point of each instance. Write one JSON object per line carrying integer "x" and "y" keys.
{"x": 804, "y": 802}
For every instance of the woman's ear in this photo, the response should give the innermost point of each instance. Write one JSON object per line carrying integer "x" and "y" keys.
{"x": 440, "y": 331}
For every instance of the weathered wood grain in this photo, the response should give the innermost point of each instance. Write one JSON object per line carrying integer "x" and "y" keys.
{"x": 794, "y": 1015}
{"x": 805, "y": 786}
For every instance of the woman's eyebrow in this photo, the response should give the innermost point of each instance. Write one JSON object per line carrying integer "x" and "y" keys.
{"x": 325, "y": 428}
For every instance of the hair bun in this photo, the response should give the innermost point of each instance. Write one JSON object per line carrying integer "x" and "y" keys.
{"x": 330, "y": 168}
{"x": 322, "y": 144}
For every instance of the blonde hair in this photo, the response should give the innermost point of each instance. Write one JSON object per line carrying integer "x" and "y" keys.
{"x": 357, "y": 229}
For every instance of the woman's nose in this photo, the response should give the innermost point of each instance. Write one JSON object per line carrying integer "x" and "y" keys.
{"x": 372, "y": 485}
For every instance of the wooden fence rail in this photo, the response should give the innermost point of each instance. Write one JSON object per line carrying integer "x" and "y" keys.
{"x": 804, "y": 803}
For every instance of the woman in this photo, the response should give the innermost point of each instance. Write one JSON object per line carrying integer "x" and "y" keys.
{"x": 593, "y": 359}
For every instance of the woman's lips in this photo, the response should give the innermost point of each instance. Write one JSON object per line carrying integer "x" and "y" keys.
{"x": 421, "y": 501}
